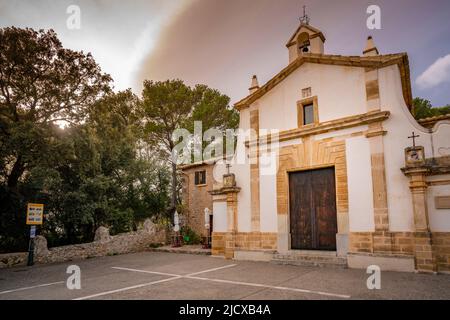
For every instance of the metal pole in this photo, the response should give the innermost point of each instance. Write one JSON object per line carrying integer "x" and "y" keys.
{"x": 31, "y": 250}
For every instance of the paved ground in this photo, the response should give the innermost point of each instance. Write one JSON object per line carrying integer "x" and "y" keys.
{"x": 158, "y": 275}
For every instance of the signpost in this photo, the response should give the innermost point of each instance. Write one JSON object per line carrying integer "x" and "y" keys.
{"x": 35, "y": 216}
{"x": 33, "y": 232}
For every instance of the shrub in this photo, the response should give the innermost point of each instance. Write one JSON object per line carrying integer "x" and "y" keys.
{"x": 190, "y": 236}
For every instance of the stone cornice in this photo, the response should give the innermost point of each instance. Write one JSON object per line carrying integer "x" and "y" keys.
{"x": 416, "y": 170}
{"x": 208, "y": 162}
{"x": 375, "y": 133}
{"x": 324, "y": 127}
{"x": 431, "y": 167}
{"x": 225, "y": 190}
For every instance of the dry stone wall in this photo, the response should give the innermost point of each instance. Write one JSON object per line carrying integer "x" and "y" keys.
{"x": 103, "y": 245}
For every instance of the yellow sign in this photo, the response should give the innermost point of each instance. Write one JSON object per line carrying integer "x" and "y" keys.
{"x": 35, "y": 213}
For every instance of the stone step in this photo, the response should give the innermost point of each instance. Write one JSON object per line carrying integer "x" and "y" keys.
{"x": 310, "y": 258}
{"x": 187, "y": 249}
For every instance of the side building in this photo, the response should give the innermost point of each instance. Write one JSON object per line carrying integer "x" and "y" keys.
{"x": 198, "y": 182}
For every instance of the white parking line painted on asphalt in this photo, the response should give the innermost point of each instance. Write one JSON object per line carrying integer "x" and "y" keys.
{"x": 145, "y": 271}
{"x": 193, "y": 276}
{"x": 259, "y": 285}
{"x": 171, "y": 274}
{"x": 127, "y": 288}
{"x": 211, "y": 270}
{"x": 173, "y": 277}
{"x": 32, "y": 287}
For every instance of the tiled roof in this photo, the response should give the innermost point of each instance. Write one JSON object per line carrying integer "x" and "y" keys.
{"x": 431, "y": 121}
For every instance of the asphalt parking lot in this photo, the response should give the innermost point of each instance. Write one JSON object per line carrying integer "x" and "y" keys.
{"x": 157, "y": 275}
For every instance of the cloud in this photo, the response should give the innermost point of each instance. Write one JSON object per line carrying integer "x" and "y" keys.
{"x": 435, "y": 74}
{"x": 117, "y": 34}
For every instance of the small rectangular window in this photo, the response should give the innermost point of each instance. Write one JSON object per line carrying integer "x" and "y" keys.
{"x": 308, "y": 114}
{"x": 200, "y": 177}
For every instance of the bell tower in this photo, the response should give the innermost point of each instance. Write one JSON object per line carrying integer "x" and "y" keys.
{"x": 306, "y": 39}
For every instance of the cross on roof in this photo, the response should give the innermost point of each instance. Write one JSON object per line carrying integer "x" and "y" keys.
{"x": 413, "y": 137}
{"x": 228, "y": 168}
{"x": 305, "y": 18}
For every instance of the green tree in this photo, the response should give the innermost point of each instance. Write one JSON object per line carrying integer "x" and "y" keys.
{"x": 172, "y": 105}
{"x": 41, "y": 83}
{"x": 424, "y": 109}
{"x": 104, "y": 167}
{"x": 88, "y": 174}
{"x": 104, "y": 176}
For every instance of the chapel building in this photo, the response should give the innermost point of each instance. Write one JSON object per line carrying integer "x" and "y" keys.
{"x": 354, "y": 179}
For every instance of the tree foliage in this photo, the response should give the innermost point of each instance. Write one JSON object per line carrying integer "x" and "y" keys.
{"x": 40, "y": 83}
{"x": 424, "y": 109}
{"x": 109, "y": 164}
{"x": 171, "y": 105}
{"x": 96, "y": 171}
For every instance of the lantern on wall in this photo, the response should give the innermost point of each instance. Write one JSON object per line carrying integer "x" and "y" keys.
{"x": 207, "y": 214}
{"x": 176, "y": 241}
{"x": 176, "y": 220}
{"x": 208, "y": 226}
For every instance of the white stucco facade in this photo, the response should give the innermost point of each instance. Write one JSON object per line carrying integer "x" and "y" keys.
{"x": 220, "y": 217}
{"x": 341, "y": 93}
{"x": 360, "y": 194}
{"x": 362, "y": 121}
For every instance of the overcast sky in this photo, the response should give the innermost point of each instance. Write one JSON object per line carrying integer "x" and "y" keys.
{"x": 222, "y": 43}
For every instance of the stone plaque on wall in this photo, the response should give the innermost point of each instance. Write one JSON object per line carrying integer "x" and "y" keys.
{"x": 414, "y": 156}
{"x": 442, "y": 202}
{"x": 229, "y": 180}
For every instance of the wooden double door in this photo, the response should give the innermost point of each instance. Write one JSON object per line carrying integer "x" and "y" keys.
{"x": 312, "y": 203}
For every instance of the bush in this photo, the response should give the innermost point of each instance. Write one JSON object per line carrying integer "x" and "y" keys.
{"x": 190, "y": 236}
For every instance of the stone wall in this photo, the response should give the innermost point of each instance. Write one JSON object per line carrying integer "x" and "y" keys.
{"x": 405, "y": 244}
{"x": 244, "y": 241}
{"x": 441, "y": 245}
{"x": 398, "y": 243}
{"x": 256, "y": 241}
{"x": 197, "y": 197}
{"x": 218, "y": 243}
{"x": 13, "y": 259}
{"x": 103, "y": 245}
